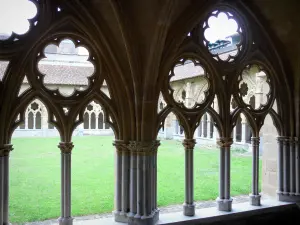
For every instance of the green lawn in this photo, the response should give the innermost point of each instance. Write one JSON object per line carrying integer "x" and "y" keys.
{"x": 35, "y": 176}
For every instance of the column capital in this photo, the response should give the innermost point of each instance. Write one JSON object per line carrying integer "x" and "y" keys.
{"x": 66, "y": 147}
{"x": 143, "y": 147}
{"x": 121, "y": 146}
{"x": 255, "y": 141}
{"x": 189, "y": 144}
{"x": 224, "y": 141}
{"x": 284, "y": 139}
{"x": 5, "y": 149}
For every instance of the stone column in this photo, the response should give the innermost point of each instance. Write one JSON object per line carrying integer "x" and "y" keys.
{"x": 208, "y": 126}
{"x": 286, "y": 162}
{"x": 66, "y": 149}
{"x": 122, "y": 182}
{"x": 4, "y": 183}
{"x": 292, "y": 167}
{"x": 280, "y": 165}
{"x": 234, "y": 134}
{"x": 34, "y": 121}
{"x": 224, "y": 200}
{"x": 297, "y": 158}
{"x": 97, "y": 119}
{"x": 255, "y": 196}
{"x": 202, "y": 127}
{"x": 26, "y": 121}
{"x": 146, "y": 183}
{"x": 244, "y": 128}
{"x": 189, "y": 206}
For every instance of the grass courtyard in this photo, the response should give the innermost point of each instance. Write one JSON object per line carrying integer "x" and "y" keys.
{"x": 35, "y": 176}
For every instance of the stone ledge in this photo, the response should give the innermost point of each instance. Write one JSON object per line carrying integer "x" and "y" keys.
{"x": 205, "y": 214}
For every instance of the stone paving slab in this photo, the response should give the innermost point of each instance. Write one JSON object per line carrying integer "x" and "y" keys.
{"x": 163, "y": 209}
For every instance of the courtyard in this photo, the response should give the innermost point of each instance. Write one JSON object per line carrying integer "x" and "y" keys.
{"x": 35, "y": 176}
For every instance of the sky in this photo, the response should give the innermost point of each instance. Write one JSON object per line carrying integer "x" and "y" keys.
{"x": 14, "y": 15}
{"x": 220, "y": 27}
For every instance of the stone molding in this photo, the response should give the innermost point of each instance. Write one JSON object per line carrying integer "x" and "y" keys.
{"x": 224, "y": 142}
{"x": 189, "y": 144}
{"x": 255, "y": 141}
{"x": 284, "y": 139}
{"x": 5, "y": 149}
{"x": 121, "y": 146}
{"x": 66, "y": 147}
{"x": 143, "y": 147}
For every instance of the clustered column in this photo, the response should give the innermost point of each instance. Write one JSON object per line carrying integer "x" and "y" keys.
{"x": 4, "y": 183}
{"x": 189, "y": 206}
{"x": 255, "y": 196}
{"x": 122, "y": 194}
{"x": 288, "y": 169}
{"x": 224, "y": 200}
{"x": 143, "y": 183}
{"x": 66, "y": 149}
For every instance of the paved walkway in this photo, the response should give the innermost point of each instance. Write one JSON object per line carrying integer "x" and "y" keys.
{"x": 165, "y": 209}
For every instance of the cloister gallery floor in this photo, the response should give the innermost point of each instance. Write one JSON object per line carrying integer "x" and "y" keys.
{"x": 35, "y": 176}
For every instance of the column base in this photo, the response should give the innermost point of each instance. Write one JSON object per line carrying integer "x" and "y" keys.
{"x": 288, "y": 197}
{"x": 120, "y": 216}
{"x": 144, "y": 220}
{"x": 224, "y": 204}
{"x": 255, "y": 199}
{"x": 65, "y": 221}
{"x": 188, "y": 209}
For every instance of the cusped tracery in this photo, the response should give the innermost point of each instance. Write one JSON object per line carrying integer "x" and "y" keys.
{"x": 254, "y": 87}
{"x": 189, "y": 83}
{"x": 66, "y": 67}
{"x": 222, "y": 35}
{"x": 16, "y": 16}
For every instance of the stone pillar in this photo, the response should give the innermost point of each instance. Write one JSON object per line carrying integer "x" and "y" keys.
{"x": 244, "y": 129}
{"x": 202, "y": 127}
{"x": 280, "y": 165}
{"x": 286, "y": 162}
{"x": 122, "y": 182}
{"x": 66, "y": 149}
{"x": 288, "y": 189}
{"x": 189, "y": 206}
{"x": 4, "y": 183}
{"x": 96, "y": 125}
{"x": 297, "y": 165}
{"x": 146, "y": 183}
{"x": 26, "y": 121}
{"x": 208, "y": 126}
{"x": 234, "y": 134}
{"x": 34, "y": 121}
{"x": 224, "y": 200}
{"x": 255, "y": 196}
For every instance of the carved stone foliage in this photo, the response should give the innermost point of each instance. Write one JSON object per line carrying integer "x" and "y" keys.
{"x": 18, "y": 16}
{"x": 254, "y": 87}
{"x": 222, "y": 35}
{"x": 189, "y": 83}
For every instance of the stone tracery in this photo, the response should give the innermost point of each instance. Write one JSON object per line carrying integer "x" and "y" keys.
{"x": 133, "y": 110}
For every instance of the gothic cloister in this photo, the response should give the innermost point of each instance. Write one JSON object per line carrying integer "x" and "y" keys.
{"x": 143, "y": 70}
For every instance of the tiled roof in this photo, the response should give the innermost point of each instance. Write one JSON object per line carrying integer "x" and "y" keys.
{"x": 76, "y": 73}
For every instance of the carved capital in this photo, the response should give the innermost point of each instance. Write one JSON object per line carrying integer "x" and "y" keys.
{"x": 189, "y": 144}
{"x": 143, "y": 147}
{"x": 224, "y": 142}
{"x": 66, "y": 147}
{"x": 285, "y": 140}
{"x": 5, "y": 149}
{"x": 121, "y": 147}
{"x": 255, "y": 141}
